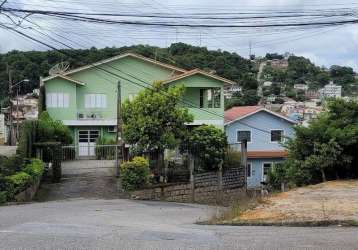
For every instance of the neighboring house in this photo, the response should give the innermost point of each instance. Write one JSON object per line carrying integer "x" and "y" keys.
{"x": 230, "y": 90}
{"x": 331, "y": 90}
{"x": 85, "y": 99}
{"x": 300, "y": 86}
{"x": 265, "y": 131}
{"x": 24, "y": 107}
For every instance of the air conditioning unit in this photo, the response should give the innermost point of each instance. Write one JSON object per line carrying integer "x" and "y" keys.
{"x": 112, "y": 129}
{"x": 81, "y": 116}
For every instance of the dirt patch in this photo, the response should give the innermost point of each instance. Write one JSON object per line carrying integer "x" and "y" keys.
{"x": 330, "y": 201}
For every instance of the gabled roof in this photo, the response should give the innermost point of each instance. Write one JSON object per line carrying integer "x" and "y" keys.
{"x": 200, "y": 72}
{"x": 164, "y": 65}
{"x": 238, "y": 113}
{"x": 71, "y": 80}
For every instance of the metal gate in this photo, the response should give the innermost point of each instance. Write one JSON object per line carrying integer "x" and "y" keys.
{"x": 88, "y": 160}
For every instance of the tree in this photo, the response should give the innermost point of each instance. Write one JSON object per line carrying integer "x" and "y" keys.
{"x": 208, "y": 145}
{"x": 326, "y": 149}
{"x": 324, "y": 157}
{"x": 154, "y": 120}
{"x": 246, "y": 98}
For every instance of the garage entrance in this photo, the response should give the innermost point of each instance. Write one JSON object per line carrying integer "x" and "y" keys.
{"x": 87, "y": 143}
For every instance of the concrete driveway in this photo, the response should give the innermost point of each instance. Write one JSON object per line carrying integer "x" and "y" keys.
{"x": 83, "y": 179}
{"x": 125, "y": 224}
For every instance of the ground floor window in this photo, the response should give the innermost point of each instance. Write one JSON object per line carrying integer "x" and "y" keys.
{"x": 266, "y": 169}
{"x": 249, "y": 170}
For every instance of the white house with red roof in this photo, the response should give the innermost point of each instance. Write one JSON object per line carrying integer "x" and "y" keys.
{"x": 265, "y": 132}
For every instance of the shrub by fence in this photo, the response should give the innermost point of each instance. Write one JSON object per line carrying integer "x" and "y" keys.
{"x": 210, "y": 188}
{"x": 135, "y": 173}
{"x": 30, "y": 174}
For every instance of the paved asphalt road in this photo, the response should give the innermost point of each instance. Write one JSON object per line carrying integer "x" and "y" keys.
{"x": 123, "y": 224}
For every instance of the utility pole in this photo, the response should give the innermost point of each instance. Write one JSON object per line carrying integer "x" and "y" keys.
{"x": 17, "y": 114}
{"x": 244, "y": 160}
{"x": 119, "y": 127}
{"x": 10, "y": 114}
{"x": 250, "y": 49}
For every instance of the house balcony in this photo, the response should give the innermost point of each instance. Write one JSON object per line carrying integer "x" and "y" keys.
{"x": 92, "y": 117}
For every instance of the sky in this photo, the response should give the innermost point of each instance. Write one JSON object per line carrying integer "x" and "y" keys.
{"x": 324, "y": 46}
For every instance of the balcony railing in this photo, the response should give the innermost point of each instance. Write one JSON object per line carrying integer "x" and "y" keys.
{"x": 90, "y": 114}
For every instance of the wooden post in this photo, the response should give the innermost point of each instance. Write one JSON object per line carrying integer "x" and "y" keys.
{"x": 244, "y": 161}
{"x": 192, "y": 180}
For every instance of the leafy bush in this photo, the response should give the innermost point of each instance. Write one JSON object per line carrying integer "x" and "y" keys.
{"x": 20, "y": 180}
{"x": 10, "y": 165}
{"x": 17, "y": 183}
{"x": 135, "y": 173}
{"x": 2, "y": 197}
{"x": 208, "y": 145}
{"x": 232, "y": 159}
{"x": 35, "y": 169}
{"x": 43, "y": 130}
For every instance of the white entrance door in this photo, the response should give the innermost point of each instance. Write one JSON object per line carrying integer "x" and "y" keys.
{"x": 87, "y": 142}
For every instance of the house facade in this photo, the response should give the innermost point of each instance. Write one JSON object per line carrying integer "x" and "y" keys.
{"x": 86, "y": 99}
{"x": 265, "y": 132}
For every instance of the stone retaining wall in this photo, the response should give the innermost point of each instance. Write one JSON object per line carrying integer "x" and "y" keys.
{"x": 207, "y": 188}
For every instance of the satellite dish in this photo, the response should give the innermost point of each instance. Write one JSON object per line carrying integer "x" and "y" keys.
{"x": 59, "y": 68}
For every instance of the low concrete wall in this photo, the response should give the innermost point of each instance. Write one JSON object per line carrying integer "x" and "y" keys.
{"x": 28, "y": 194}
{"x": 208, "y": 188}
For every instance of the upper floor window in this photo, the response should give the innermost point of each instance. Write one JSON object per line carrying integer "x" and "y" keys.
{"x": 276, "y": 135}
{"x": 95, "y": 101}
{"x": 57, "y": 100}
{"x": 243, "y": 135}
{"x": 210, "y": 98}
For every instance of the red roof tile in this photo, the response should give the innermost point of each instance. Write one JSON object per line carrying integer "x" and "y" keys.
{"x": 237, "y": 112}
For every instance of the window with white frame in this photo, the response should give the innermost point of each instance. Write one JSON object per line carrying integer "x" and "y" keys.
{"x": 266, "y": 167}
{"x": 57, "y": 100}
{"x": 95, "y": 101}
{"x": 243, "y": 135}
{"x": 210, "y": 98}
{"x": 248, "y": 170}
{"x": 276, "y": 135}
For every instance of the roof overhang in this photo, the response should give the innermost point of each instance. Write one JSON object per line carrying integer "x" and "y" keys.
{"x": 108, "y": 60}
{"x": 266, "y": 154}
{"x": 199, "y": 72}
{"x": 259, "y": 110}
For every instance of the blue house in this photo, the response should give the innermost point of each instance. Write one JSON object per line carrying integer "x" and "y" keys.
{"x": 265, "y": 131}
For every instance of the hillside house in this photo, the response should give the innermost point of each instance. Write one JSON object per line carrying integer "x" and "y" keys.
{"x": 265, "y": 132}
{"x": 85, "y": 99}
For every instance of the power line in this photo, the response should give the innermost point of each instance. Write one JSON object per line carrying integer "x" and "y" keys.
{"x": 83, "y": 17}
{"x": 124, "y": 78}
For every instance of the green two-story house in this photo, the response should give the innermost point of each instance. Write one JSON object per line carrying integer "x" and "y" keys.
{"x": 85, "y": 99}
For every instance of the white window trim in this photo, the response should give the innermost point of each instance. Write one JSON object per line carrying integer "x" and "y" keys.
{"x": 262, "y": 169}
{"x": 51, "y": 96}
{"x": 243, "y": 130}
{"x": 283, "y": 136}
{"x": 95, "y": 101}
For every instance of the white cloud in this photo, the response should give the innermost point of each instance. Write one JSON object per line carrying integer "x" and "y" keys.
{"x": 335, "y": 46}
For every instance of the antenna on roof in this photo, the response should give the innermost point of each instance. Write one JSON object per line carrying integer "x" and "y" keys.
{"x": 59, "y": 69}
